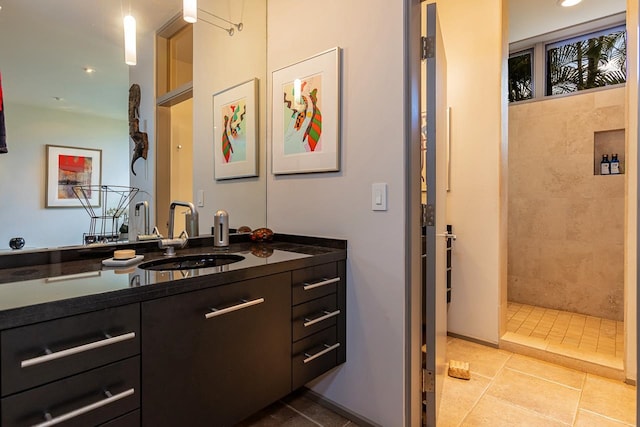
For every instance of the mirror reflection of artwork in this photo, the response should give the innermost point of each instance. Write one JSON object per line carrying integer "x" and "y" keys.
{"x": 72, "y": 170}
{"x": 234, "y": 135}
{"x": 302, "y": 115}
{"x": 235, "y": 126}
{"x": 69, "y": 167}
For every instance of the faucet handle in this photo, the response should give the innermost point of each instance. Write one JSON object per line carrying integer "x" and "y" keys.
{"x": 171, "y": 244}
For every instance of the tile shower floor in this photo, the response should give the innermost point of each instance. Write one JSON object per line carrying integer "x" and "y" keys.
{"x": 578, "y": 337}
{"x": 587, "y": 333}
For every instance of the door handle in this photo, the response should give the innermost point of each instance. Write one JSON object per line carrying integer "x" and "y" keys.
{"x": 447, "y": 235}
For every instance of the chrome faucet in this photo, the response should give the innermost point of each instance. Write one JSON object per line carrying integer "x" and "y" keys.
{"x": 144, "y": 204}
{"x": 170, "y": 243}
{"x": 192, "y": 223}
{"x": 146, "y": 235}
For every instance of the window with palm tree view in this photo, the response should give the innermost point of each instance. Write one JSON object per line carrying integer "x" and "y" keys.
{"x": 588, "y": 61}
{"x": 520, "y": 76}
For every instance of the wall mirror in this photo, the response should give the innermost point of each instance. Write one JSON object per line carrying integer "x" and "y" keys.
{"x": 66, "y": 84}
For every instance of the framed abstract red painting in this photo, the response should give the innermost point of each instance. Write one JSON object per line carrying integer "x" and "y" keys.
{"x": 68, "y": 167}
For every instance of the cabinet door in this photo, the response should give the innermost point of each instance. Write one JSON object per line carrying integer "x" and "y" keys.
{"x": 215, "y": 371}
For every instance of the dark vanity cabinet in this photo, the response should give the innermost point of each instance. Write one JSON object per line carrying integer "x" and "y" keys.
{"x": 207, "y": 356}
{"x": 81, "y": 370}
{"x": 214, "y": 356}
{"x": 318, "y": 318}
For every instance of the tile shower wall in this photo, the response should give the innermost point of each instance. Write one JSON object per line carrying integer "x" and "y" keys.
{"x": 566, "y": 225}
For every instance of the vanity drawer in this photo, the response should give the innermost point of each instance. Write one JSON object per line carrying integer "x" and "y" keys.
{"x": 314, "y": 282}
{"x": 132, "y": 419}
{"x": 87, "y": 399}
{"x": 314, "y": 356}
{"x": 315, "y": 315}
{"x": 36, "y": 354}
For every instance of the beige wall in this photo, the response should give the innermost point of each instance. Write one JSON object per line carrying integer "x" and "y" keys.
{"x": 631, "y": 241}
{"x": 566, "y": 225}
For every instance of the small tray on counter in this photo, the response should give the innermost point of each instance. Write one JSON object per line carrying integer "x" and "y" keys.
{"x": 111, "y": 262}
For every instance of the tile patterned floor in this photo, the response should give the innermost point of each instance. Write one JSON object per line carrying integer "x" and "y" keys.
{"x": 296, "y": 410}
{"x": 508, "y": 389}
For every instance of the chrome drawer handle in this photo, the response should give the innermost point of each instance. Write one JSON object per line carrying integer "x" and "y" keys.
{"x": 327, "y": 315}
{"x": 327, "y": 349}
{"x": 309, "y": 286}
{"x": 215, "y": 312}
{"x": 75, "y": 350}
{"x": 76, "y": 412}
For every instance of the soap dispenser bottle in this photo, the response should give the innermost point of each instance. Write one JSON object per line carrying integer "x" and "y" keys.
{"x": 221, "y": 229}
{"x": 605, "y": 166}
{"x": 614, "y": 166}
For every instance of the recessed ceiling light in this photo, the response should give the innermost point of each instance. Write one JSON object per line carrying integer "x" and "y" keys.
{"x": 89, "y": 70}
{"x": 568, "y": 3}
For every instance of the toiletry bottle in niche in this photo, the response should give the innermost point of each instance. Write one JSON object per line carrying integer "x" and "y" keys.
{"x": 605, "y": 165}
{"x": 614, "y": 167}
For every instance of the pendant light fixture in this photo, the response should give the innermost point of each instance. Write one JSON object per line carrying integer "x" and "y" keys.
{"x": 130, "y": 57}
{"x": 190, "y": 15}
{"x": 190, "y": 11}
{"x": 568, "y": 3}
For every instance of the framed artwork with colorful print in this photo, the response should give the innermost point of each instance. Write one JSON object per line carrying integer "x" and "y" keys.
{"x": 235, "y": 131}
{"x": 306, "y": 115}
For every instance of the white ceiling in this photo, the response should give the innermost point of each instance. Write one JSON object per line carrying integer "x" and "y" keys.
{"x": 530, "y": 18}
{"x": 45, "y": 44}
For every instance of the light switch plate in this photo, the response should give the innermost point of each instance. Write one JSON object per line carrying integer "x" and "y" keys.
{"x": 379, "y": 196}
{"x": 200, "y": 201}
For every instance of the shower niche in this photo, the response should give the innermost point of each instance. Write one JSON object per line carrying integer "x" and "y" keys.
{"x": 608, "y": 143}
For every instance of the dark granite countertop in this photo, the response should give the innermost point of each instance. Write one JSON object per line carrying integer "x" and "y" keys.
{"x": 45, "y": 285}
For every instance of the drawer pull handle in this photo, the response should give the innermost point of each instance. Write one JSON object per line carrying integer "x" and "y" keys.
{"x": 92, "y": 406}
{"x": 326, "y": 350}
{"x": 323, "y": 282}
{"x": 327, "y": 315}
{"x": 219, "y": 312}
{"x": 49, "y": 356}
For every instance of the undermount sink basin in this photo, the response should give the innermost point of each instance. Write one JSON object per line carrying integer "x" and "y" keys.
{"x": 188, "y": 262}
